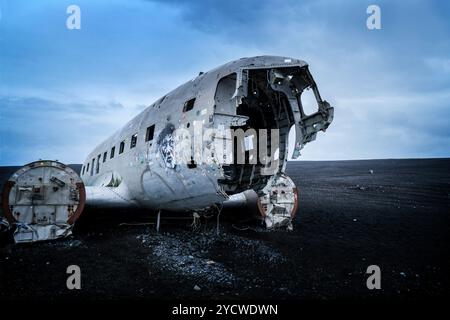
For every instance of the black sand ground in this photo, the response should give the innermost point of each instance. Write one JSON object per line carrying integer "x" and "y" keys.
{"x": 397, "y": 217}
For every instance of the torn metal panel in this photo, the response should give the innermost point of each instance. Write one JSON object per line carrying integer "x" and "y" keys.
{"x": 43, "y": 200}
{"x": 292, "y": 84}
{"x": 32, "y": 232}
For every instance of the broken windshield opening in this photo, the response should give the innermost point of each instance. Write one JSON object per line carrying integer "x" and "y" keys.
{"x": 308, "y": 101}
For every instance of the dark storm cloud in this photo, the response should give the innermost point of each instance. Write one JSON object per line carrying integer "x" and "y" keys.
{"x": 214, "y": 16}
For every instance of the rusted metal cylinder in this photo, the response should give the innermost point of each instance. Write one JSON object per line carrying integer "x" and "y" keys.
{"x": 43, "y": 199}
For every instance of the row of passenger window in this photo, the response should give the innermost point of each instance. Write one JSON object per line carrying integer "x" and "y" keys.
{"x": 89, "y": 167}
{"x": 188, "y": 106}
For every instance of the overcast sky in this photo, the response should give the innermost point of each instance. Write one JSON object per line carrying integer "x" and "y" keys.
{"x": 63, "y": 91}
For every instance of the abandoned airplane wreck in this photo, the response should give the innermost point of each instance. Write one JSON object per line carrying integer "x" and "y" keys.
{"x": 137, "y": 166}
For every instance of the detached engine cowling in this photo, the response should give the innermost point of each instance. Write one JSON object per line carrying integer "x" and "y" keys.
{"x": 43, "y": 199}
{"x": 278, "y": 202}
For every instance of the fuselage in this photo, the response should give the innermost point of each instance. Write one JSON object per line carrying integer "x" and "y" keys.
{"x": 137, "y": 164}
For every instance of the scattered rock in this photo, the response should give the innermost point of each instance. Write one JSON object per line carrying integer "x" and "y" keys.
{"x": 358, "y": 187}
{"x": 180, "y": 257}
{"x": 74, "y": 243}
{"x": 197, "y": 288}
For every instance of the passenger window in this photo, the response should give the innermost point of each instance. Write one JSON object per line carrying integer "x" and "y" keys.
{"x": 133, "y": 141}
{"x": 150, "y": 132}
{"x": 121, "y": 147}
{"x": 189, "y": 105}
{"x": 113, "y": 149}
{"x": 87, "y": 169}
{"x": 104, "y": 156}
{"x": 82, "y": 170}
{"x": 92, "y": 166}
{"x": 97, "y": 169}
